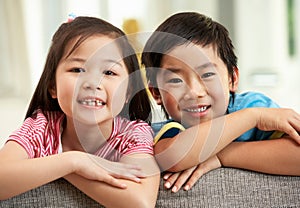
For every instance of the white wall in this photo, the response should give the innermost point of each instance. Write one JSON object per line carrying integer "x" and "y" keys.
{"x": 259, "y": 31}
{"x": 261, "y": 43}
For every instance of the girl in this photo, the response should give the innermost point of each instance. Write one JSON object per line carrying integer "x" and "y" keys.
{"x": 84, "y": 121}
{"x": 193, "y": 75}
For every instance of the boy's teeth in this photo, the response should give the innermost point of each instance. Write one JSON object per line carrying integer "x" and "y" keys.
{"x": 197, "y": 110}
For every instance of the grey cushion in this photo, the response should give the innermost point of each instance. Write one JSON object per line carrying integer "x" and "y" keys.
{"x": 224, "y": 187}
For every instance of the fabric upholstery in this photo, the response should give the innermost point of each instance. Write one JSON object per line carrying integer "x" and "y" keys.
{"x": 224, "y": 187}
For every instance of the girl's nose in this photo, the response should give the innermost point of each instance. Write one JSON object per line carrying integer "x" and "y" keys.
{"x": 92, "y": 84}
{"x": 195, "y": 90}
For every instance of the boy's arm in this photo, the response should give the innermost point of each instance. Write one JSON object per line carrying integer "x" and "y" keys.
{"x": 143, "y": 194}
{"x": 198, "y": 143}
{"x": 277, "y": 156}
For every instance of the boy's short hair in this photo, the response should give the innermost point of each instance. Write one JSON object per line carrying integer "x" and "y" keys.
{"x": 184, "y": 28}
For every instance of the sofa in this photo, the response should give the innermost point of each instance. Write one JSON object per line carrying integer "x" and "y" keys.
{"x": 223, "y": 187}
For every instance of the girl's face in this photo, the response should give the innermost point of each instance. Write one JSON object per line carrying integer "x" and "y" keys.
{"x": 91, "y": 83}
{"x": 194, "y": 84}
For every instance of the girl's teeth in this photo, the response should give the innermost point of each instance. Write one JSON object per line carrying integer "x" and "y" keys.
{"x": 92, "y": 102}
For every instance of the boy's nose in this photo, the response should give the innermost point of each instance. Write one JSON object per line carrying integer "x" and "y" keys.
{"x": 195, "y": 89}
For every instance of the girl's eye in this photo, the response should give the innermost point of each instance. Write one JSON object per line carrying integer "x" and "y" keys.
{"x": 109, "y": 73}
{"x": 174, "y": 80}
{"x": 207, "y": 75}
{"x": 77, "y": 70}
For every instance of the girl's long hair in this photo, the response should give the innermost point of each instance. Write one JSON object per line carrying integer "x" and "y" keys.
{"x": 81, "y": 28}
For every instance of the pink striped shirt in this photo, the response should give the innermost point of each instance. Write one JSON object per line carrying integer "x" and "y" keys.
{"x": 40, "y": 136}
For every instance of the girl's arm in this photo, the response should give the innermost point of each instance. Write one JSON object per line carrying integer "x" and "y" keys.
{"x": 19, "y": 174}
{"x": 277, "y": 156}
{"x": 198, "y": 143}
{"x": 143, "y": 194}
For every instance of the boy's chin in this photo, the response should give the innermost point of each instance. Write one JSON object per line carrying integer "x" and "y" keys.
{"x": 193, "y": 122}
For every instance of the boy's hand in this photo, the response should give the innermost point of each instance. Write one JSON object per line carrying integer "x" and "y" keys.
{"x": 281, "y": 119}
{"x": 190, "y": 176}
{"x": 96, "y": 168}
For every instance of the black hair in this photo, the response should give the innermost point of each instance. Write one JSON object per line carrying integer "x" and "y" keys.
{"x": 184, "y": 28}
{"x": 80, "y": 29}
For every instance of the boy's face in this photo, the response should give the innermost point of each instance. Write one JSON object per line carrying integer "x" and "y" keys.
{"x": 194, "y": 84}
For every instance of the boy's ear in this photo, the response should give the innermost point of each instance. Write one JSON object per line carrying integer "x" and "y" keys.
{"x": 234, "y": 80}
{"x": 155, "y": 94}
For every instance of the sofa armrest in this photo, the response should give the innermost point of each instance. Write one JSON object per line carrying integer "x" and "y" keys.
{"x": 59, "y": 193}
{"x": 223, "y": 187}
{"x": 230, "y": 187}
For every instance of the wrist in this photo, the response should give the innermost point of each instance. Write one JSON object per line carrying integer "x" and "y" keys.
{"x": 254, "y": 114}
{"x": 72, "y": 160}
{"x": 220, "y": 156}
{"x": 225, "y": 155}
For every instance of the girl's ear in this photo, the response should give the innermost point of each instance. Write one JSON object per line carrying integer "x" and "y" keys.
{"x": 52, "y": 91}
{"x": 128, "y": 95}
{"x": 234, "y": 80}
{"x": 155, "y": 94}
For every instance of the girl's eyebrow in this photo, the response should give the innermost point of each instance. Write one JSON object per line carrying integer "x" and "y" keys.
{"x": 113, "y": 61}
{"x": 76, "y": 59}
{"x": 82, "y": 60}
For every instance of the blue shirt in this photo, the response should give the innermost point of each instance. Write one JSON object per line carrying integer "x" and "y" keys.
{"x": 236, "y": 102}
{"x": 250, "y": 100}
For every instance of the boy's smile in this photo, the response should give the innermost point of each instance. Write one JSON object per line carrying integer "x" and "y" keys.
{"x": 193, "y": 84}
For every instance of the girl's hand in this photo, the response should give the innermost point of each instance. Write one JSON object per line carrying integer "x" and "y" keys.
{"x": 281, "y": 119}
{"x": 190, "y": 176}
{"x": 96, "y": 168}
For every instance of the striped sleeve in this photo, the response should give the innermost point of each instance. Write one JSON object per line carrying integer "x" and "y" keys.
{"x": 38, "y": 136}
{"x": 137, "y": 137}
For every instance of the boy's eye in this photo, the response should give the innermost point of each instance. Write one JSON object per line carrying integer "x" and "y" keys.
{"x": 109, "y": 73}
{"x": 174, "y": 80}
{"x": 207, "y": 75}
{"x": 77, "y": 70}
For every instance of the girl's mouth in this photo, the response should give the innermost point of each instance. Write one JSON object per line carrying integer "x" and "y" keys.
{"x": 92, "y": 102}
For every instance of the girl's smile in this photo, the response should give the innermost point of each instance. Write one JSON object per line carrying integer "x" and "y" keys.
{"x": 92, "y": 81}
{"x": 92, "y": 102}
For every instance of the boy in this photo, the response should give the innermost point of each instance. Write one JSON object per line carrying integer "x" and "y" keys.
{"x": 192, "y": 73}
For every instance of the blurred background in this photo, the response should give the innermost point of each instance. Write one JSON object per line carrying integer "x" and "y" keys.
{"x": 266, "y": 35}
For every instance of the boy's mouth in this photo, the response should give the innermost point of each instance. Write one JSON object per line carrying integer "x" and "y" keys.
{"x": 199, "y": 109}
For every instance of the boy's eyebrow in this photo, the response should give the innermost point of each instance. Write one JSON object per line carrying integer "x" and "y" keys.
{"x": 206, "y": 65}
{"x": 203, "y": 66}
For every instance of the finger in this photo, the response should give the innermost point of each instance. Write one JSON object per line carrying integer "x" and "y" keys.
{"x": 183, "y": 178}
{"x": 210, "y": 164}
{"x": 137, "y": 173}
{"x": 167, "y": 175}
{"x": 128, "y": 175}
{"x": 293, "y": 133}
{"x": 197, "y": 174}
{"x": 132, "y": 166}
{"x": 114, "y": 182}
{"x": 170, "y": 181}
